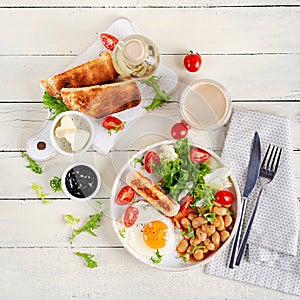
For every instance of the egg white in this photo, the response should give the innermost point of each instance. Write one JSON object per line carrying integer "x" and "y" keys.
{"x": 134, "y": 234}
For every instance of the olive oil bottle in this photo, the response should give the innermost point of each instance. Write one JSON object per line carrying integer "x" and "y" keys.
{"x": 135, "y": 56}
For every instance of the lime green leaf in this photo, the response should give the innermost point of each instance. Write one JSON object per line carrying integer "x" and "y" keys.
{"x": 71, "y": 220}
{"x": 39, "y": 190}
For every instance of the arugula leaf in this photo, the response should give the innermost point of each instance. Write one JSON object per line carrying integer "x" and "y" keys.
{"x": 138, "y": 161}
{"x": 123, "y": 232}
{"x": 197, "y": 247}
{"x": 55, "y": 184}
{"x": 190, "y": 232}
{"x": 92, "y": 223}
{"x": 55, "y": 105}
{"x": 71, "y": 220}
{"x": 33, "y": 165}
{"x": 158, "y": 258}
{"x": 116, "y": 129}
{"x": 210, "y": 217}
{"x": 39, "y": 189}
{"x": 160, "y": 97}
{"x": 88, "y": 258}
{"x": 185, "y": 257}
{"x": 230, "y": 212}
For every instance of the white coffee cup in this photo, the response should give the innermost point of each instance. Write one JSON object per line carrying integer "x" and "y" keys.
{"x": 205, "y": 104}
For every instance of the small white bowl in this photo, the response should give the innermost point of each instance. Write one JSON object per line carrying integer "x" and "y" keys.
{"x": 82, "y": 122}
{"x": 81, "y": 176}
{"x": 205, "y": 104}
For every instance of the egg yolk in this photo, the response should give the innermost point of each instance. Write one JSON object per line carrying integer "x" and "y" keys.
{"x": 154, "y": 234}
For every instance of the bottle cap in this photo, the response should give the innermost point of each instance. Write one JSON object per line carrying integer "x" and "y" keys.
{"x": 135, "y": 51}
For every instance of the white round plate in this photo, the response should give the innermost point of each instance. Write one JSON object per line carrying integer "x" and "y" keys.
{"x": 171, "y": 262}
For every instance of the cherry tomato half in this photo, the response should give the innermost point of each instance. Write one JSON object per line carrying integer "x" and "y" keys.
{"x": 198, "y": 155}
{"x": 224, "y": 197}
{"x": 192, "y": 61}
{"x": 130, "y": 216}
{"x": 185, "y": 205}
{"x": 109, "y": 41}
{"x": 151, "y": 159}
{"x": 180, "y": 130}
{"x": 112, "y": 123}
{"x": 125, "y": 195}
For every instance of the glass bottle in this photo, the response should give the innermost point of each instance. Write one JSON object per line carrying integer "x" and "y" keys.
{"x": 135, "y": 56}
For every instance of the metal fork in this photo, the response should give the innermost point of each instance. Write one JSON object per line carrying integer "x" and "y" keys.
{"x": 267, "y": 172}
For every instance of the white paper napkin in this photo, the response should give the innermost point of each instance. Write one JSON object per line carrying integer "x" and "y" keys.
{"x": 272, "y": 259}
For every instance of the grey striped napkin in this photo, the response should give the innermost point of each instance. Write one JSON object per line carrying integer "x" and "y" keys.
{"x": 272, "y": 258}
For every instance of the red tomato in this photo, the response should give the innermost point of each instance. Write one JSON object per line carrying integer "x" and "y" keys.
{"x": 112, "y": 123}
{"x": 198, "y": 155}
{"x": 151, "y": 160}
{"x": 192, "y": 61}
{"x": 180, "y": 130}
{"x": 125, "y": 195}
{"x": 224, "y": 197}
{"x": 109, "y": 41}
{"x": 130, "y": 216}
{"x": 185, "y": 205}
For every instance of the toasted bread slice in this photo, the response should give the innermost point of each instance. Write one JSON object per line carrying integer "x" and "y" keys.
{"x": 101, "y": 100}
{"x": 99, "y": 70}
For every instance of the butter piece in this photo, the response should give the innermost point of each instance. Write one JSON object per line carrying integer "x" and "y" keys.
{"x": 77, "y": 138}
{"x": 66, "y": 124}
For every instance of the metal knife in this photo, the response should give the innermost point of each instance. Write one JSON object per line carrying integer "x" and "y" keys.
{"x": 252, "y": 175}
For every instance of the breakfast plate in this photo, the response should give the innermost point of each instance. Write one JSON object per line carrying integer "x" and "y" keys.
{"x": 152, "y": 233}
{"x": 39, "y": 145}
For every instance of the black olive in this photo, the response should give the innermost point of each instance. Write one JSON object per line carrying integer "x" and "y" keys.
{"x": 81, "y": 181}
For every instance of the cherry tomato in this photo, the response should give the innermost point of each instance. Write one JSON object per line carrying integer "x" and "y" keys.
{"x": 109, "y": 41}
{"x": 224, "y": 197}
{"x": 180, "y": 130}
{"x": 192, "y": 61}
{"x": 198, "y": 155}
{"x": 112, "y": 123}
{"x": 185, "y": 205}
{"x": 151, "y": 159}
{"x": 130, "y": 216}
{"x": 125, "y": 195}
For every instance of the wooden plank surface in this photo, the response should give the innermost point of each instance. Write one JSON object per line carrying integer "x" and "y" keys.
{"x": 217, "y": 30}
{"x": 29, "y": 118}
{"x": 146, "y": 3}
{"x": 247, "y": 77}
{"x": 252, "y": 47}
{"x": 118, "y": 274}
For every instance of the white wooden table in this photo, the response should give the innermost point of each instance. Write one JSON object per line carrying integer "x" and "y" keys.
{"x": 252, "y": 47}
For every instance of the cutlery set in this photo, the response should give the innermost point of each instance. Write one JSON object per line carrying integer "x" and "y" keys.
{"x": 265, "y": 173}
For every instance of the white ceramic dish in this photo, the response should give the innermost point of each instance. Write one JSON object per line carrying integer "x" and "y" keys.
{"x": 170, "y": 262}
{"x": 209, "y": 105}
{"x": 82, "y": 122}
{"x": 88, "y": 196}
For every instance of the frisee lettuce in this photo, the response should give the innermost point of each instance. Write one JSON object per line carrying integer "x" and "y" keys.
{"x": 55, "y": 105}
{"x": 182, "y": 174}
{"x": 55, "y": 184}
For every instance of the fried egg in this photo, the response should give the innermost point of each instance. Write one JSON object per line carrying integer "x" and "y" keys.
{"x": 152, "y": 231}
